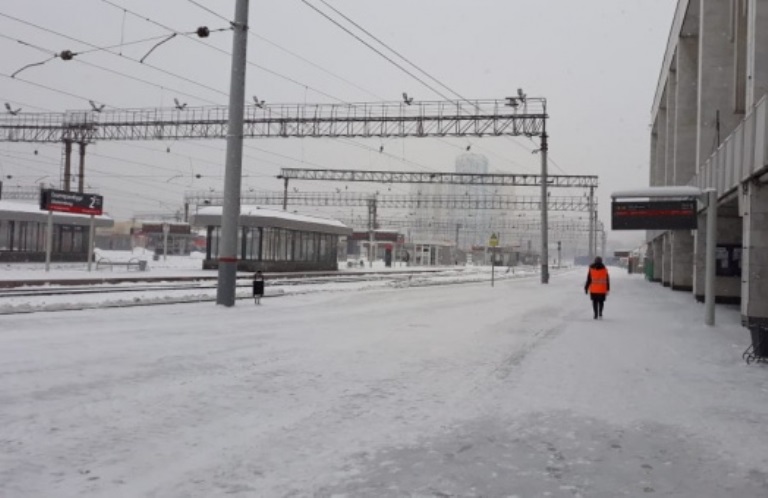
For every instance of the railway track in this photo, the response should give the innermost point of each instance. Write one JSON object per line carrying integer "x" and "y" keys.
{"x": 181, "y": 286}
{"x": 24, "y": 300}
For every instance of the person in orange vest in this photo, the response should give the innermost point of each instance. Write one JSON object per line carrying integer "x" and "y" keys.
{"x": 598, "y": 286}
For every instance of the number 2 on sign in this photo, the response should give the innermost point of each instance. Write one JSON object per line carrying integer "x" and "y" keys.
{"x": 93, "y": 202}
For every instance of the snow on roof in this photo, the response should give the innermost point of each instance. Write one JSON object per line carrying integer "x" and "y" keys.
{"x": 651, "y": 192}
{"x": 27, "y": 211}
{"x": 264, "y": 217}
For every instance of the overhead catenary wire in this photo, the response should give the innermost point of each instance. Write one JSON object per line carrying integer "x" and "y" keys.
{"x": 117, "y": 73}
{"x": 398, "y": 54}
{"x": 133, "y": 194}
{"x": 385, "y": 56}
{"x": 287, "y": 78}
{"x": 193, "y": 2}
{"x": 401, "y": 56}
{"x": 220, "y": 50}
{"x": 110, "y": 51}
{"x": 358, "y": 145}
{"x": 147, "y": 19}
{"x": 341, "y": 100}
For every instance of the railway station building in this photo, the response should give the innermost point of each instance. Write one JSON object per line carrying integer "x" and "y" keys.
{"x": 710, "y": 130}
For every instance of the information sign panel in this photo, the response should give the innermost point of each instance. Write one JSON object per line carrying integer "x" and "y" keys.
{"x": 71, "y": 202}
{"x": 654, "y": 215}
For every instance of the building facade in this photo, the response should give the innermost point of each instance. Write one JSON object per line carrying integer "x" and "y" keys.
{"x": 710, "y": 130}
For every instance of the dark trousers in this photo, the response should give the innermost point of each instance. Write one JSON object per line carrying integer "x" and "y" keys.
{"x": 598, "y": 301}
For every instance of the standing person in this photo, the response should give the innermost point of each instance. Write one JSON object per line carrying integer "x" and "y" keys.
{"x": 598, "y": 286}
{"x": 258, "y": 287}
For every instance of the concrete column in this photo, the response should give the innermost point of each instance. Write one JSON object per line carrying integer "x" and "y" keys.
{"x": 684, "y": 153}
{"x": 717, "y": 59}
{"x": 661, "y": 146}
{"x": 686, "y": 110}
{"x": 653, "y": 163}
{"x": 682, "y": 261}
{"x": 666, "y": 259}
{"x": 757, "y": 51}
{"x": 669, "y": 169}
{"x": 658, "y": 250}
{"x": 754, "y": 266}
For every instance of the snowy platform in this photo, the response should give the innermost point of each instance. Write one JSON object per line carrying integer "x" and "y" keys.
{"x": 461, "y": 390}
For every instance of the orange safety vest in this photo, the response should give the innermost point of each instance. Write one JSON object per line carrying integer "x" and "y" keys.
{"x": 598, "y": 281}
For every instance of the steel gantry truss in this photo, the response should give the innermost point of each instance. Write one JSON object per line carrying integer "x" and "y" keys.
{"x": 356, "y": 120}
{"x": 415, "y": 177}
{"x": 20, "y": 192}
{"x": 512, "y": 116}
{"x": 572, "y": 231}
{"x": 415, "y": 201}
{"x": 524, "y": 224}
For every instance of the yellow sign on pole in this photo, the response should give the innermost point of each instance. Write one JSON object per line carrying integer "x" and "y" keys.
{"x": 494, "y": 242}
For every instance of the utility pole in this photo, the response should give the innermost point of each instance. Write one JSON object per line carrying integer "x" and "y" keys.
{"x": 225, "y": 292}
{"x": 544, "y": 207}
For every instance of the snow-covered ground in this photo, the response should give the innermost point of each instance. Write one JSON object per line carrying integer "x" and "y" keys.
{"x": 156, "y": 288}
{"x": 461, "y": 390}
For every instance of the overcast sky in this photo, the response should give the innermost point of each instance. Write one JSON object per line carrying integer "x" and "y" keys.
{"x": 596, "y": 61}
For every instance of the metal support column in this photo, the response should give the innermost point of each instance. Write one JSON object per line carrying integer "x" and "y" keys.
{"x": 81, "y": 171}
{"x": 371, "y": 230}
{"x": 285, "y": 194}
{"x": 225, "y": 293}
{"x": 67, "y": 165}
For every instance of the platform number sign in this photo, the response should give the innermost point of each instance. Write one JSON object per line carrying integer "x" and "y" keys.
{"x": 71, "y": 202}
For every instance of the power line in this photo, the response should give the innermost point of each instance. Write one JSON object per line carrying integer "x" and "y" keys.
{"x": 146, "y": 82}
{"x": 217, "y": 49}
{"x": 315, "y": 65}
{"x": 156, "y": 23}
{"x": 164, "y": 71}
{"x": 133, "y": 194}
{"x": 193, "y": 2}
{"x": 415, "y": 66}
{"x": 115, "y": 72}
{"x": 329, "y": 18}
{"x": 398, "y": 54}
